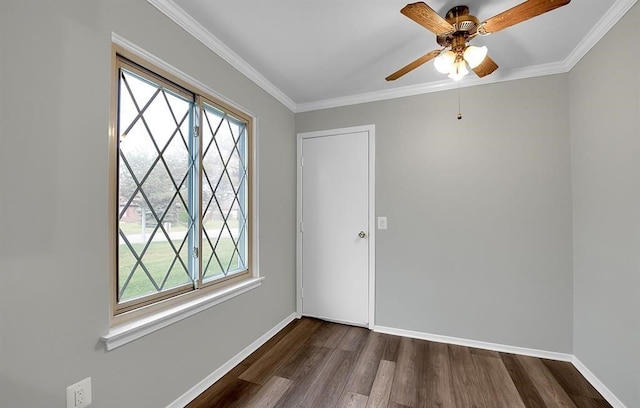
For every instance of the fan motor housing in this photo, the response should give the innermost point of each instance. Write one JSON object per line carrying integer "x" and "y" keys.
{"x": 464, "y": 24}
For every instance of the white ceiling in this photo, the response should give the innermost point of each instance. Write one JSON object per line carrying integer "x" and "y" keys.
{"x": 323, "y": 53}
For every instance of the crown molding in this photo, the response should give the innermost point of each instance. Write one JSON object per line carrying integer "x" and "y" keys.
{"x": 602, "y": 27}
{"x": 430, "y": 87}
{"x": 599, "y": 30}
{"x": 190, "y": 25}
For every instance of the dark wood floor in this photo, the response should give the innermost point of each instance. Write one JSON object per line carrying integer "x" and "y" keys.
{"x": 311, "y": 363}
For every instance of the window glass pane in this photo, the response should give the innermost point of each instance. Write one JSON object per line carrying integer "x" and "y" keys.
{"x": 224, "y": 220}
{"x": 182, "y": 188}
{"x": 154, "y": 218}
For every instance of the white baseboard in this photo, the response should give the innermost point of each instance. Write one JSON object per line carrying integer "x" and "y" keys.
{"x": 551, "y": 355}
{"x": 199, "y": 388}
{"x": 597, "y": 384}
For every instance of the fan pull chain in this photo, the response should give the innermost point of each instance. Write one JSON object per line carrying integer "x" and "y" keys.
{"x": 459, "y": 109}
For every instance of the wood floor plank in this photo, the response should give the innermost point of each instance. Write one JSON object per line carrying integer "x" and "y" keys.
{"x": 253, "y": 357}
{"x": 353, "y": 339}
{"x": 496, "y": 381}
{"x": 406, "y": 381}
{"x": 270, "y": 393}
{"x": 524, "y": 384}
{"x": 364, "y": 373}
{"x": 396, "y": 405}
{"x": 303, "y": 361}
{"x": 265, "y": 366}
{"x": 352, "y": 400}
{"x": 467, "y": 388}
{"x": 304, "y": 376}
{"x": 436, "y": 388}
{"x": 326, "y": 365}
{"x": 328, "y": 335}
{"x": 578, "y": 389}
{"x": 218, "y": 387}
{"x": 381, "y": 390}
{"x": 391, "y": 347}
{"x": 586, "y": 402}
{"x": 550, "y": 390}
{"x": 328, "y": 386}
{"x": 236, "y": 395}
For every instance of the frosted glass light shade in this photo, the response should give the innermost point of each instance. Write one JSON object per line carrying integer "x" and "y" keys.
{"x": 475, "y": 55}
{"x": 459, "y": 70}
{"x": 444, "y": 62}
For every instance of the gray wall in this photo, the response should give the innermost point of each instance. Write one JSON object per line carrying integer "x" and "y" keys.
{"x": 605, "y": 139}
{"x": 55, "y": 65}
{"x": 479, "y": 211}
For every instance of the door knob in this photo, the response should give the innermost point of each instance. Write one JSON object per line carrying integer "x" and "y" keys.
{"x": 362, "y": 234}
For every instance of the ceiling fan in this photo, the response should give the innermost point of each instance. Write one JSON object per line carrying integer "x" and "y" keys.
{"x": 458, "y": 27}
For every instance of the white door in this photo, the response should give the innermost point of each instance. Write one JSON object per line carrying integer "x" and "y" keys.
{"x": 334, "y": 232}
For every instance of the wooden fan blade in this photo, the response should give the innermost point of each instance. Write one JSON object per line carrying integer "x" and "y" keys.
{"x": 427, "y": 17}
{"x": 520, "y": 13}
{"x": 415, "y": 64}
{"x": 486, "y": 67}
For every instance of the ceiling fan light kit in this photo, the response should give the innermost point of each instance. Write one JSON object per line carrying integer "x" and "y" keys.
{"x": 475, "y": 55}
{"x": 444, "y": 62}
{"x": 458, "y": 27}
{"x": 459, "y": 70}
{"x": 448, "y": 62}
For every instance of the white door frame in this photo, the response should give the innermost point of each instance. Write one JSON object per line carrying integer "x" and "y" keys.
{"x": 370, "y": 129}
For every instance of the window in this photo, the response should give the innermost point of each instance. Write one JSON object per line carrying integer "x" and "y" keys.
{"x": 181, "y": 190}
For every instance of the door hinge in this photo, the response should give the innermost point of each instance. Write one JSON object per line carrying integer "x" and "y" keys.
{"x": 195, "y": 252}
{"x": 302, "y": 293}
{"x": 301, "y": 227}
{"x": 301, "y": 161}
{"x": 196, "y": 130}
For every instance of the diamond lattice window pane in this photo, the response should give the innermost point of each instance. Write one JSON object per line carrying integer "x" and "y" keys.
{"x": 213, "y": 119}
{"x": 212, "y": 268}
{"x": 224, "y": 248}
{"x": 154, "y": 167}
{"x": 212, "y": 172}
{"x": 137, "y": 149}
{"x": 224, "y": 198}
{"x": 224, "y": 194}
{"x": 225, "y": 140}
{"x": 138, "y": 283}
{"x": 135, "y": 94}
{"x": 235, "y": 169}
{"x": 178, "y": 194}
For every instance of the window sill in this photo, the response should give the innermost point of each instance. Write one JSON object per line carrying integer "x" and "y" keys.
{"x": 126, "y": 332}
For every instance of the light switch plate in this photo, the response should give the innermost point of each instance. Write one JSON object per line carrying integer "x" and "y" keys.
{"x": 382, "y": 223}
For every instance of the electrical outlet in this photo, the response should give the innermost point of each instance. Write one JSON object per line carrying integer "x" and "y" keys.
{"x": 79, "y": 394}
